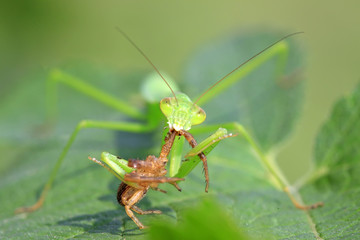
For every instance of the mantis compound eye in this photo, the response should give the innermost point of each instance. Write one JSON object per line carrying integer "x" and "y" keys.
{"x": 166, "y": 106}
{"x": 198, "y": 117}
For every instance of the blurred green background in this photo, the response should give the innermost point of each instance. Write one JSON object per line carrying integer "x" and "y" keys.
{"x": 45, "y": 34}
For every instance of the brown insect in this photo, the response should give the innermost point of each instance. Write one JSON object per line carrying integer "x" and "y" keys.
{"x": 148, "y": 174}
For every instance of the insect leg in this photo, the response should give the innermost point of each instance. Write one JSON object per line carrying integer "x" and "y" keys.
{"x": 166, "y": 148}
{"x": 270, "y": 166}
{"x": 142, "y": 212}
{"x": 129, "y": 177}
{"x": 57, "y": 76}
{"x": 279, "y": 49}
{"x": 128, "y": 196}
{"x": 202, "y": 156}
{"x": 176, "y": 186}
{"x": 158, "y": 189}
{"x": 206, "y": 146}
{"x": 123, "y": 126}
{"x": 163, "y": 191}
{"x": 133, "y": 217}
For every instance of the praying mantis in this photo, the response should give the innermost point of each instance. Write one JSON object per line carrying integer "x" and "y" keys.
{"x": 152, "y": 118}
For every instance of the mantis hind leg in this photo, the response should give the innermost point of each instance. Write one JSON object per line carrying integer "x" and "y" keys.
{"x": 271, "y": 166}
{"x": 122, "y": 126}
{"x": 57, "y": 76}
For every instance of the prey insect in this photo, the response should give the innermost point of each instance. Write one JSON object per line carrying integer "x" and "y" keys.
{"x": 194, "y": 115}
{"x": 139, "y": 176}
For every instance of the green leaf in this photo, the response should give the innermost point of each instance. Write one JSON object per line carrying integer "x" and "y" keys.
{"x": 336, "y": 146}
{"x": 82, "y": 203}
{"x": 336, "y": 174}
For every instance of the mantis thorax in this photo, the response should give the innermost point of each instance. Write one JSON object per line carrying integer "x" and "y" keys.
{"x": 181, "y": 112}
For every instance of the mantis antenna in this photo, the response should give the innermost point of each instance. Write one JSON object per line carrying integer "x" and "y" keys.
{"x": 147, "y": 59}
{"x": 248, "y": 60}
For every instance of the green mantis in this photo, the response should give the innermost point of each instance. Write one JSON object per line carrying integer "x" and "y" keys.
{"x": 152, "y": 118}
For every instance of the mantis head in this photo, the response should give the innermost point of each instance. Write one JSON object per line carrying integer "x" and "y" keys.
{"x": 181, "y": 112}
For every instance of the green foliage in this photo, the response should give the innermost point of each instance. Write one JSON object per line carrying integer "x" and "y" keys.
{"x": 82, "y": 203}
{"x": 336, "y": 177}
{"x": 206, "y": 221}
{"x": 336, "y": 150}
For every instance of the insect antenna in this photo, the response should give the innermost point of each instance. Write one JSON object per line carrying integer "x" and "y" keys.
{"x": 248, "y": 60}
{"x": 147, "y": 59}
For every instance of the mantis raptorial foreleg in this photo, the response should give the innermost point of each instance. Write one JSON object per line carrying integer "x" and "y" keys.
{"x": 169, "y": 139}
{"x": 201, "y": 155}
{"x": 192, "y": 158}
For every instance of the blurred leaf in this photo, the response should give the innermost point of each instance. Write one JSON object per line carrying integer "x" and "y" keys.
{"x": 337, "y": 146}
{"x": 206, "y": 221}
{"x": 336, "y": 175}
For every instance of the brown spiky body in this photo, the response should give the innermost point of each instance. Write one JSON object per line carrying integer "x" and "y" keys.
{"x": 149, "y": 173}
